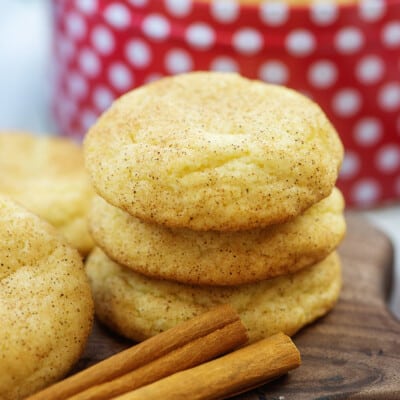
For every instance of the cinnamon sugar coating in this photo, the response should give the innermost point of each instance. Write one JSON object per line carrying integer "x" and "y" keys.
{"x": 213, "y": 151}
{"x": 138, "y": 307}
{"x": 46, "y": 308}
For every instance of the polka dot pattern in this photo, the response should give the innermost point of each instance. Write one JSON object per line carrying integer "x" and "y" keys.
{"x": 117, "y": 15}
{"x": 178, "y": 61}
{"x": 225, "y": 11}
{"x": 138, "y": 53}
{"x": 156, "y": 26}
{"x": 349, "y": 40}
{"x": 370, "y": 70}
{"x": 224, "y": 64}
{"x": 274, "y": 71}
{"x": 322, "y": 74}
{"x": 368, "y": 131}
{"x": 107, "y": 48}
{"x": 179, "y": 8}
{"x": 346, "y": 102}
{"x": 102, "y": 40}
{"x": 200, "y": 36}
{"x": 274, "y": 13}
{"x": 247, "y": 41}
{"x": 300, "y": 43}
{"x": 324, "y": 13}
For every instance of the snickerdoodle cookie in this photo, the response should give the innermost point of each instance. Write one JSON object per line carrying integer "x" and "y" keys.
{"x": 213, "y": 151}
{"x": 46, "y": 175}
{"x": 46, "y": 308}
{"x": 139, "y": 307}
{"x": 219, "y": 258}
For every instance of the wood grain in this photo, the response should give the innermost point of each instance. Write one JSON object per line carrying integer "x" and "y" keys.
{"x": 352, "y": 353}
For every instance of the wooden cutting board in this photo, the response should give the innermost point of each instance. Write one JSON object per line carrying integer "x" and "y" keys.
{"x": 352, "y": 353}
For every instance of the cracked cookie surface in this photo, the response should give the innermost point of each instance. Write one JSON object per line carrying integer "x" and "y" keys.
{"x": 218, "y": 258}
{"x": 213, "y": 151}
{"x": 46, "y": 175}
{"x": 139, "y": 307}
{"x": 46, "y": 308}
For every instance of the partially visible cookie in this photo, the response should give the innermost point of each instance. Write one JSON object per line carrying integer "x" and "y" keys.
{"x": 213, "y": 151}
{"x": 46, "y": 175}
{"x": 46, "y": 308}
{"x": 139, "y": 307}
{"x": 219, "y": 258}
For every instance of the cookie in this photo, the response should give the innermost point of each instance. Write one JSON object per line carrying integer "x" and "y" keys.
{"x": 46, "y": 308}
{"x": 46, "y": 175}
{"x": 139, "y": 307}
{"x": 218, "y": 258}
{"x": 213, "y": 151}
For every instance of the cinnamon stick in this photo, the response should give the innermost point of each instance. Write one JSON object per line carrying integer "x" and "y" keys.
{"x": 192, "y": 354}
{"x": 229, "y": 375}
{"x": 149, "y": 351}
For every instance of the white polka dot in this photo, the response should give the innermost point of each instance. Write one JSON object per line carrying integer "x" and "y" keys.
{"x": 178, "y": 61}
{"x": 372, "y": 10}
{"x": 89, "y": 63}
{"x": 117, "y": 15}
{"x": 324, "y": 13}
{"x": 77, "y": 85}
{"x": 350, "y": 166}
{"x": 349, "y": 40}
{"x": 388, "y": 158}
{"x": 153, "y": 77}
{"x": 200, "y": 36}
{"x": 322, "y": 74}
{"x": 389, "y": 96}
{"x": 225, "y": 11}
{"x": 88, "y": 119}
{"x": 103, "y": 40}
{"x": 138, "y": 53}
{"x": 179, "y": 8}
{"x": 368, "y": 131}
{"x": 346, "y": 103}
{"x": 300, "y": 43}
{"x": 247, "y": 41}
{"x": 224, "y": 64}
{"x": 87, "y": 6}
{"x": 66, "y": 48}
{"x": 120, "y": 76}
{"x": 366, "y": 192}
{"x": 156, "y": 26}
{"x": 370, "y": 69}
{"x": 274, "y": 71}
{"x": 138, "y": 3}
{"x": 391, "y": 34}
{"x": 274, "y": 13}
{"x": 102, "y": 98}
{"x": 75, "y": 25}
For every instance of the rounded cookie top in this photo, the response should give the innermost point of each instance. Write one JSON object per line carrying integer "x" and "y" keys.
{"x": 219, "y": 258}
{"x": 46, "y": 175}
{"x": 213, "y": 151}
{"x": 139, "y": 307}
{"x": 46, "y": 308}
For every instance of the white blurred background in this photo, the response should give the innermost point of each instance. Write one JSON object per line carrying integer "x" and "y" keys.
{"x": 25, "y": 60}
{"x": 25, "y": 44}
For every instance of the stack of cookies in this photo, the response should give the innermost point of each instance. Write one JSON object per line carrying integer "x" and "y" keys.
{"x": 214, "y": 189}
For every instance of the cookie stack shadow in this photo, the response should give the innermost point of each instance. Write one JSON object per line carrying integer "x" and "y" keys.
{"x": 188, "y": 217}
